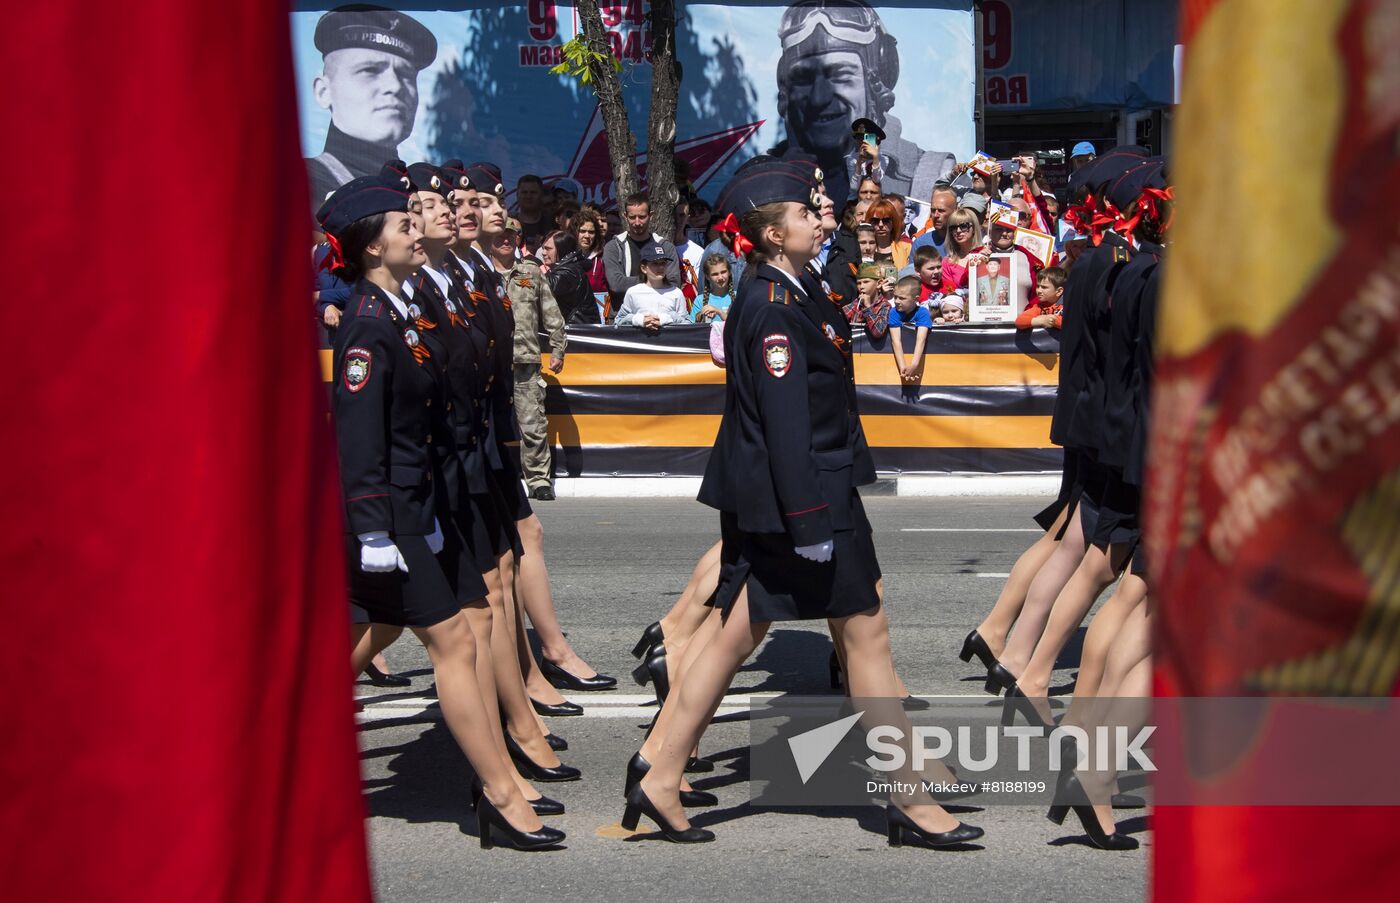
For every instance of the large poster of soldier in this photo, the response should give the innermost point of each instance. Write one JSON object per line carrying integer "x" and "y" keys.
{"x": 471, "y": 80}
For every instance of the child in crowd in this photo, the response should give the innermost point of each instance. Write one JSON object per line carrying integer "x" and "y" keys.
{"x": 653, "y": 303}
{"x": 950, "y": 311}
{"x": 865, "y": 240}
{"x": 869, "y": 309}
{"x": 928, "y": 267}
{"x": 908, "y": 314}
{"x": 714, "y": 301}
{"x": 1047, "y": 311}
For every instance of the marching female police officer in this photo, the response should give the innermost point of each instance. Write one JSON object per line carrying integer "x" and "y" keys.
{"x": 796, "y": 544}
{"x": 389, "y": 399}
{"x": 473, "y": 563}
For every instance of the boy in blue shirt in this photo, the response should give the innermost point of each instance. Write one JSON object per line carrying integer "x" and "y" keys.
{"x": 907, "y": 313}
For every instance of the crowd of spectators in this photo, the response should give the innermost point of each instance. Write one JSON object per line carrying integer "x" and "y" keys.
{"x": 611, "y": 267}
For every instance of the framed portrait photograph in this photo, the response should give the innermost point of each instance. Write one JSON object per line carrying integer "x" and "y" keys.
{"x": 1038, "y": 244}
{"x": 991, "y": 290}
{"x": 915, "y": 213}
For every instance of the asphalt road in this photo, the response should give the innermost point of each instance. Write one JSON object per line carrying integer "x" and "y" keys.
{"x": 617, "y": 565}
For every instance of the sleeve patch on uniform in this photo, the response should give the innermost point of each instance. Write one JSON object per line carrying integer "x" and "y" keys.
{"x": 356, "y": 368}
{"x": 777, "y": 354}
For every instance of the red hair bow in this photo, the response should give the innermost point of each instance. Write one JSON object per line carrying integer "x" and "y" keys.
{"x": 1105, "y": 217}
{"x": 1150, "y": 202}
{"x": 336, "y": 258}
{"x": 1081, "y": 216}
{"x": 730, "y": 226}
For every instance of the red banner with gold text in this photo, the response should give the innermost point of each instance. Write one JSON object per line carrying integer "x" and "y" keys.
{"x": 1274, "y": 490}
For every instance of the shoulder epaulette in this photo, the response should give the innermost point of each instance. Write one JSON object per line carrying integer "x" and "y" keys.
{"x": 369, "y": 306}
{"x": 1122, "y": 255}
{"x": 778, "y": 294}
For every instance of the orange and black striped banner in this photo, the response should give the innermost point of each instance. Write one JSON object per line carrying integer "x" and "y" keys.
{"x": 629, "y": 404}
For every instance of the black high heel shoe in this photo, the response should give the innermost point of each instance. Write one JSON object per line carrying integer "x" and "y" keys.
{"x": 488, "y": 816}
{"x": 563, "y": 680}
{"x": 697, "y": 765}
{"x": 638, "y": 767}
{"x": 381, "y": 679}
{"x": 542, "y": 806}
{"x": 557, "y": 710}
{"x": 652, "y": 636}
{"x": 833, "y": 670}
{"x": 1069, "y": 760}
{"x": 998, "y": 679}
{"x": 638, "y": 804}
{"x": 541, "y": 773}
{"x": 1018, "y": 702}
{"x": 556, "y": 742}
{"x": 1069, "y": 787}
{"x": 973, "y": 644}
{"x": 898, "y": 825}
{"x": 653, "y": 671}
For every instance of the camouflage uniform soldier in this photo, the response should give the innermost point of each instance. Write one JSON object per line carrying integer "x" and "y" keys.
{"x": 531, "y": 302}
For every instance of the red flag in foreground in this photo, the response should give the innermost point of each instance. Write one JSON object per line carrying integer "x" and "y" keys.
{"x": 1274, "y": 504}
{"x": 173, "y": 588}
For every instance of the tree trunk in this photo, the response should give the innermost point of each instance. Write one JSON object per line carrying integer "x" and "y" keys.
{"x": 661, "y": 126}
{"x": 622, "y": 144}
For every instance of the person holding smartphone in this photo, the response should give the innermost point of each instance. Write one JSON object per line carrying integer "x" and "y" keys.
{"x": 864, "y": 162}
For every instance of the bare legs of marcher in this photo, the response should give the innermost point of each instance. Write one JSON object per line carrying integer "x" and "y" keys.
{"x": 687, "y": 614}
{"x": 692, "y": 705}
{"x": 523, "y": 727}
{"x": 690, "y": 610}
{"x": 452, "y": 652}
{"x": 1096, "y": 572}
{"x": 997, "y": 624}
{"x": 533, "y": 591}
{"x": 1099, "y": 639}
{"x": 840, "y": 650}
{"x": 479, "y": 616}
{"x": 1123, "y": 702}
{"x": 1049, "y": 580}
{"x": 679, "y": 666}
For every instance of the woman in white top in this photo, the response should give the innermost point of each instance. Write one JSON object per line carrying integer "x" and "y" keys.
{"x": 653, "y": 304}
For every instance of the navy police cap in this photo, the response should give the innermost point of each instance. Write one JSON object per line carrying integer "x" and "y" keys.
{"x": 808, "y": 164}
{"x": 399, "y": 167}
{"x": 1107, "y": 167}
{"x": 1126, "y": 189}
{"x": 376, "y": 28}
{"x": 755, "y": 160}
{"x": 486, "y": 177}
{"x": 454, "y": 173}
{"x": 383, "y": 192}
{"x": 767, "y": 183}
{"x": 425, "y": 177}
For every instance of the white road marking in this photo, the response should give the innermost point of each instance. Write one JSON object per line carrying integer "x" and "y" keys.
{"x": 992, "y": 574}
{"x": 618, "y": 705}
{"x": 969, "y": 530}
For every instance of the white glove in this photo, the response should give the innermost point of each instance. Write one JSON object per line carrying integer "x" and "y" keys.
{"x": 819, "y": 552}
{"x": 379, "y": 555}
{"x": 435, "y": 538}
